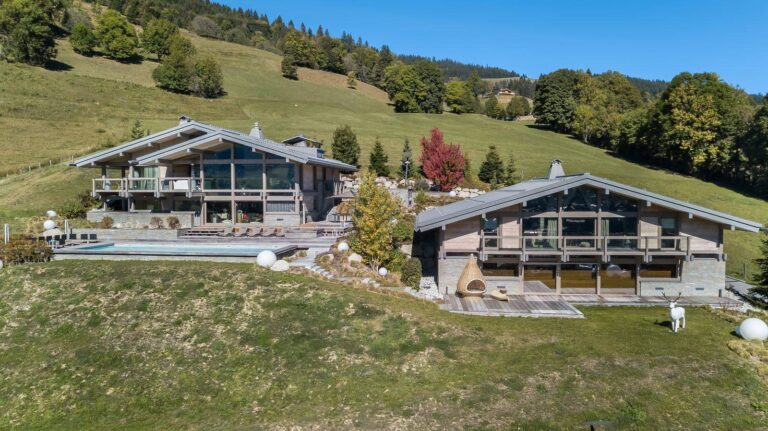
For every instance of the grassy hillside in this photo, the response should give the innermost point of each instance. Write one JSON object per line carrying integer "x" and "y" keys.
{"x": 91, "y": 102}
{"x": 228, "y": 346}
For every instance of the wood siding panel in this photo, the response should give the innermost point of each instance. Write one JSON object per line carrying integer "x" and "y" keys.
{"x": 308, "y": 177}
{"x": 704, "y": 234}
{"x": 649, "y": 226}
{"x": 463, "y": 235}
{"x": 510, "y": 227}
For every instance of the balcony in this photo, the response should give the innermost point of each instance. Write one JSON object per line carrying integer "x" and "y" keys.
{"x": 565, "y": 246}
{"x": 188, "y": 186}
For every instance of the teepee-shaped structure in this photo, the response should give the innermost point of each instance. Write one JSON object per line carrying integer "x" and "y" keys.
{"x": 471, "y": 281}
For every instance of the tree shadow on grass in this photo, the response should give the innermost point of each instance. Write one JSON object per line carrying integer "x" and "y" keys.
{"x": 664, "y": 323}
{"x": 57, "y": 66}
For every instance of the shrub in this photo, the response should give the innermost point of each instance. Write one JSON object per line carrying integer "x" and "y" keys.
{"x": 421, "y": 185}
{"x": 107, "y": 223}
{"x": 21, "y": 251}
{"x": 173, "y": 222}
{"x": 412, "y": 273}
{"x": 403, "y": 232}
{"x": 72, "y": 209}
{"x": 155, "y": 223}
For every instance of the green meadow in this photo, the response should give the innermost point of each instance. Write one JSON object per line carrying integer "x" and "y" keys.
{"x": 91, "y": 102}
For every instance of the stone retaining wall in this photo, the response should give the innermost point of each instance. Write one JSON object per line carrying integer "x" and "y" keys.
{"x": 134, "y": 219}
{"x": 131, "y": 234}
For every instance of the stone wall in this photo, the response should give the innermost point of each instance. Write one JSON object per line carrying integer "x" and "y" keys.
{"x": 282, "y": 219}
{"x": 700, "y": 277}
{"x": 138, "y": 219}
{"x": 131, "y": 234}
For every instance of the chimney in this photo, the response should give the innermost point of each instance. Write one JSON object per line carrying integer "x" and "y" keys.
{"x": 256, "y": 131}
{"x": 183, "y": 120}
{"x": 555, "y": 170}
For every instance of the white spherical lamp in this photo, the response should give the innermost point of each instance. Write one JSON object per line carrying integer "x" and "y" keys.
{"x": 343, "y": 246}
{"x": 49, "y": 224}
{"x": 50, "y": 213}
{"x": 383, "y": 271}
{"x": 266, "y": 258}
{"x": 753, "y": 329}
{"x": 452, "y": 193}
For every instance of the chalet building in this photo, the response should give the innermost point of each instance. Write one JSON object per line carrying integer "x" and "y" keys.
{"x": 579, "y": 234}
{"x": 205, "y": 174}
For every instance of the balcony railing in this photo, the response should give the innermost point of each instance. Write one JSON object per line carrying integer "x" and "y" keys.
{"x": 576, "y": 244}
{"x": 187, "y": 185}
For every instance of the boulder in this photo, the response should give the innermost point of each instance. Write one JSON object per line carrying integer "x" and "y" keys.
{"x": 280, "y": 266}
{"x": 355, "y": 258}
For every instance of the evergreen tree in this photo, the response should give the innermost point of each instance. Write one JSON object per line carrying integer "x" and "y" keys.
{"x": 137, "y": 131}
{"x": 379, "y": 160}
{"x": 26, "y": 32}
{"x": 345, "y": 147}
{"x": 477, "y": 85}
{"x": 762, "y": 263}
{"x": 208, "y": 81}
{"x": 492, "y": 169}
{"x": 493, "y": 109}
{"x": 157, "y": 37}
{"x": 510, "y": 172}
{"x": 288, "y": 68}
{"x": 372, "y": 216}
{"x": 406, "y": 157}
{"x": 83, "y": 39}
{"x": 177, "y": 71}
{"x": 116, "y": 36}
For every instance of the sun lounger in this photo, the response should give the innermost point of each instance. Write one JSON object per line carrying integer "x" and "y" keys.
{"x": 253, "y": 232}
{"x": 268, "y": 231}
{"x": 227, "y": 231}
{"x": 279, "y": 232}
{"x": 240, "y": 232}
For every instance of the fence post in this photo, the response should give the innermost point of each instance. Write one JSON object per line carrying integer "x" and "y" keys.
{"x": 6, "y": 233}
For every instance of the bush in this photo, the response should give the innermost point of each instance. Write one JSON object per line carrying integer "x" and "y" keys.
{"x": 173, "y": 222}
{"x": 403, "y": 232}
{"x": 421, "y": 185}
{"x": 107, "y": 223}
{"x": 412, "y": 273}
{"x": 21, "y": 251}
{"x": 155, "y": 223}
{"x": 72, "y": 209}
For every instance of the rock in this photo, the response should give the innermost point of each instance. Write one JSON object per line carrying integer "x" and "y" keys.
{"x": 463, "y": 194}
{"x": 354, "y": 257}
{"x": 280, "y": 266}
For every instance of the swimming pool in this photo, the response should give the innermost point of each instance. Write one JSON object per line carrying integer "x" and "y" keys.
{"x": 173, "y": 250}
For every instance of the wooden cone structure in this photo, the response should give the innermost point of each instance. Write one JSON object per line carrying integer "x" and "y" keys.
{"x": 471, "y": 281}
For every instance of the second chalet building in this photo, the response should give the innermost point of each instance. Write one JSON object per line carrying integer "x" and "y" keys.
{"x": 579, "y": 234}
{"x": 204, "y": 174}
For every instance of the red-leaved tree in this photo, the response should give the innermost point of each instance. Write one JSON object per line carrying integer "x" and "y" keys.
{"x": 442, "y": 163}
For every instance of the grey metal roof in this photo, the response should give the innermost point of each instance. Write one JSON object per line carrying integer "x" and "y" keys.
{"x": 536, "y": 188}
{"x": 306, "y": 155}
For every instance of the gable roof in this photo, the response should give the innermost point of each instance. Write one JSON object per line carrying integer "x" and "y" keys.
{"x": 536, "y": 188}
{"x": 207, "y": 135}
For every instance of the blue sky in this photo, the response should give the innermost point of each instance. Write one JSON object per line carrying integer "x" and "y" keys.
{"x": 649, "y": 39}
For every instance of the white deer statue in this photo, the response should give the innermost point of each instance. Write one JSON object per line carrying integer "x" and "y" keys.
{"x": 676, "y": 314}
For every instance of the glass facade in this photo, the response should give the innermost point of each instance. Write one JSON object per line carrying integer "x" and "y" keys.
{"x": 580, "y": 199}
{"x": 280, "y": 176}
{"x": 223, "y": 154}
{"x": 542, "y": 204}
{"x": 500, "y": 269}
{"x": 618, "y": 276}
{"x": 217, "y": 177}
{"x": 246, "y": 153}
{"x": 491, "y": 227}
{"x": 578, "y": 276}
{"x": 249, "y": 177}
{"x": 657, "y": 270}
{"x": 250, "y": 212}
{"x": 613, "y": 203}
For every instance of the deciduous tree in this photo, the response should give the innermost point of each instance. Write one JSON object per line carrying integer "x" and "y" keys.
{"x": 459, "y": 98}
{"x": 208, "y": 81}
{"x": 26, "y": 32}
{"x": 288, "y": 68}
{"x": 157, "y": 37}
{"x": 442, "y": 163}
{"x": 177, "y": 70}
{"x": 373, "y": 214}
{"x": 83, "y": 39}
{"x": 117, "y": 36}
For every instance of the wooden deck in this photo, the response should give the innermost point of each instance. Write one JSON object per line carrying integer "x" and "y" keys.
{"x": 563, "y": 305}
{"x": 518, "y": 305}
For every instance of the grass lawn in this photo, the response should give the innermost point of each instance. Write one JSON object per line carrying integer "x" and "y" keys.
{"x": 50, "y": 114}
{"x": 87, "y": 345}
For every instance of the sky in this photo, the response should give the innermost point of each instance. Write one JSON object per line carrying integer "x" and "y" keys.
{"x": 649, "y": 39}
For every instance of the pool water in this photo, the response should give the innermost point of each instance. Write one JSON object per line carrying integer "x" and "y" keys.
{"x": 182, "y": 249}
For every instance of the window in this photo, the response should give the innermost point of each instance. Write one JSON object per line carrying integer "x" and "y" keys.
{"x": 242, "y": 152}
{"x": 623, "y": 232}
{"x": 224, "y": 154}
{"x": 580, "y": 199}
{"x": 581, "y": 232}
{"x": 613, "y": 203}
{"x": 618, "y": 276}
{"x": 274, "y": 157}
{"x": 217, "y": 177}
{"x": 668, "y": 228}
{"x": 250, "y": 212}
{"x": 579, "y": 276}
{"x": 500, "y": 269}
{"x": 536, "y": 227}
{"x": 657, "y": 270}
{"x": 542, "y": 204}
{"x": 249, "y": 177}
{"x": 280, "y": 176}
{"x": 280, "y": 207}
{"x": 218, "y": 212}
{"x": 539, "y": 279}
{"x": 491, "y": 228}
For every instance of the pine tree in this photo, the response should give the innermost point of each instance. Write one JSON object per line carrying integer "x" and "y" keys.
{"x": 510, "y": 172}
{"x": 379, "y": 160}
{"x": 762, "y": 278}
{"x": 288, "y": 68}
{"x": 406, "y": 157}
{"x": 372, "y": 218}
{"x": 492, "y": 168}
{"x": 137, "y": 131}
{"x": 345, "y": 147}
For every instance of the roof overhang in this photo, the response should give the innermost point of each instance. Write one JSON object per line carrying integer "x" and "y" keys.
{"x": 441, "y": 216}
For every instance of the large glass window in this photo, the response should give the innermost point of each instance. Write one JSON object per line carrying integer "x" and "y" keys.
{"x": 618, "y": 276}
{"x": 250, "y": 212}
{"x": 539, "y": 233}
{"x": 280, "y": 176}
{"x": 217, "y": 177}
{"x": 542, "y": 204}
{"x": 668, "y": 228}
{"x": 243, "y": 153}
{"x": 223, "y": 154}
{"x": 491, "y": 228}
{"x": 613, "y": 203}
{"x": 539, "y": 279}
{"x": 249, "y": 177}
{"x": 580, "y": 199}
{"x": 658, "y": 270}
{"x": 500, "y": 269}
{"x": 579, "y": 232}
{"x": 218, "y": 212}
{"x": 579, "y": 276}
{"x": 623, "y": 231}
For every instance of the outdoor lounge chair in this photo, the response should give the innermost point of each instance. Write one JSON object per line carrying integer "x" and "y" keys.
{"x": 268, "y": 231}
{"x": 84, "y": 238}
{"x": 499, "y": 295}
{"x": 253, "y": 231}
{"x": 92, "y": 238}
{"x": 227, "y": 231}
{"x": 240, "y": 232}
{"x": 279, "y": 232}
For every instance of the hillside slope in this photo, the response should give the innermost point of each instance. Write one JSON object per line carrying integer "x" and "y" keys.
{"x": 91, "y": 102}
